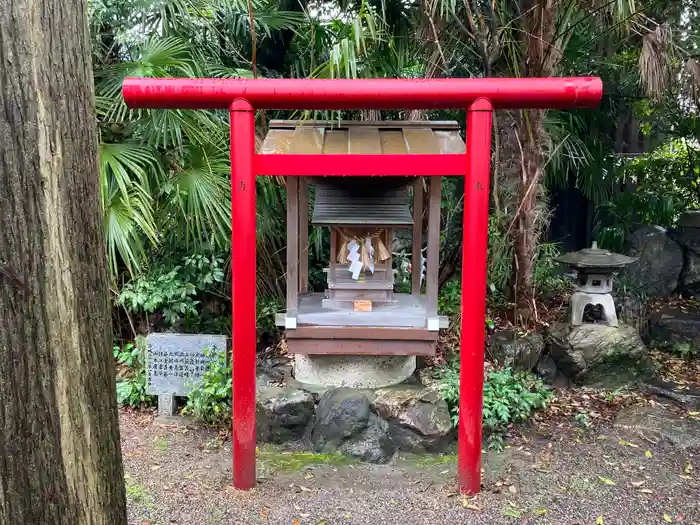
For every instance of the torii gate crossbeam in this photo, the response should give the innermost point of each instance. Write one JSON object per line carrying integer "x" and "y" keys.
{"x": 478, "y": 96}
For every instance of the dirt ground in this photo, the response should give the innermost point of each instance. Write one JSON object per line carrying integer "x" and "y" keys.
{"x": 561, "y": 471}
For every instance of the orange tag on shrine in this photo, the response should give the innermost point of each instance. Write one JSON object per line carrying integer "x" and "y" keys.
{"x": 362, "y": 305}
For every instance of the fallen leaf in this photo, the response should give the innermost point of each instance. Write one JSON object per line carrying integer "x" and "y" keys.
{"x": 264, "y": 513}
{"x": 309, "y": 476}
{"x": 667, "y": 518}
{"x": 467, "y": 505}
{"x": 646, "y": 491}
{"x": 297, "y": 507}
{"x": 445, "y": 471}
{"x": 600, "y": 520}
{"x": 512, "y": 489}
{"x": 607, "y": 481}
{"x": 305, "y": 489}
{"x": 303, "y": 515}
{"x": 633, "y": 445}
{"x": 637, "y": 483}
{"x": 156, "y": 467}
{"x": 347, "y": 514}
{"x": 322, "y": 522}
{"x": 295, "y": 522}
{"x": 688, "y": 468}
{"x": 649, "y": 454}
{"x": 685, "y": 477}
{"x": 694, "y": 413}
{"x": 541, "y": 512}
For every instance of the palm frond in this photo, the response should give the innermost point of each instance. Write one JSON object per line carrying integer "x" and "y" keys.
{"x": 654, "y": 61}
{"x": 202, "y": 196}
{"x": 691, "y": 78}
{"x": 125, "y": 173}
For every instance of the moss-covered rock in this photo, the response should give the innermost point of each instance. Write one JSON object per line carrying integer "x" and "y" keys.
{"x": 345, "y": 422}
{"x": 419, "y": 418}
{"x": 596, "y": 354}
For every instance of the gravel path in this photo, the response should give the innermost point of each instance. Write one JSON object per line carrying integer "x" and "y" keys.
{"x": 180, "y": 475}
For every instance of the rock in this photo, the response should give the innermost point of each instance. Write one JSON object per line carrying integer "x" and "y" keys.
{"x": 690, "y": 279}
{"x": 283, "y": 413}
{"x": 632, "y": 311}
{"x": 273, "y": 372}
{"x": 341, "y": 413}
{"x": 595, "y": 354}
{"x": 547, "y": 369}
{"x": 671, "y": 325}
{"x": 658, "y": 269}
{"x": 689, "y": 398}
{"x": 657, "y": 422}
{"x": 344, "y": 422}
{"x": 263, "y": 381}
{"x": 373, "y": 444}
{"x": 419, "y": 419}
{"x": 688, "y": 236}
{"x": 521, "y": 352}
{"x": 429, "y": 378}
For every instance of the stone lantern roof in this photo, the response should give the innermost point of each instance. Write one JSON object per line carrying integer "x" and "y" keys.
{"x": 595, "y": 258}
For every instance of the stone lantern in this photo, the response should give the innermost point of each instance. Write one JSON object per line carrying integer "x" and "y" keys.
{"x": 595, "y": 269}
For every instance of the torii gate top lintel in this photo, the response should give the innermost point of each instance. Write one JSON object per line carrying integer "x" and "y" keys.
{"x": 384, "y": 93}
{"x": 478, "y": 96}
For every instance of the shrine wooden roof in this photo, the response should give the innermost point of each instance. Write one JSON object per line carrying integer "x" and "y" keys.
{"x": 363, "y": 137}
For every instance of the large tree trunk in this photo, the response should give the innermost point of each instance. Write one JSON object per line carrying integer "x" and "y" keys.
{"x": 60, "y": 459}
{"x": 540, "y": 58}
{"x": 530, "y": 128}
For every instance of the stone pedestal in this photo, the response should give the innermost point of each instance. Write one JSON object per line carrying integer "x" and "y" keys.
{"x": 167, "y": 405}
{"x": 353, "y": 371}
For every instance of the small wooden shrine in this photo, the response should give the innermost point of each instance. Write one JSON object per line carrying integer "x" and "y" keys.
{"x": 359, "y": 313}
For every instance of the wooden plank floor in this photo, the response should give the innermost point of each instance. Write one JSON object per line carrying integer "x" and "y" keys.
{"x": 406, "y": 312}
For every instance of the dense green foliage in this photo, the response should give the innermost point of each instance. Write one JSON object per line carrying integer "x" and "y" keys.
{"x": 131, "y": 387}
{"x": 210, "y": 400}
{"x": 509, "y": 397}
{"x": 172, "y": 288}
{"x": 664, "y": 183}
{"x": 164, "y": 174}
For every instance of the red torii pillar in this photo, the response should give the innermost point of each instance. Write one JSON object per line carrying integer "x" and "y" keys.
{"x": 479, "y": 96}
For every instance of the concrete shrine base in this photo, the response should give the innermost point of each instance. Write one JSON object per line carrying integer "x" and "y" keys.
{"x": 353, "y": 371}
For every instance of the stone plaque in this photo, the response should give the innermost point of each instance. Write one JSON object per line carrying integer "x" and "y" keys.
{"x": 177, "y": 362}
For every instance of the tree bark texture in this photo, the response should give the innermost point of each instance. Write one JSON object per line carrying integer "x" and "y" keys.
{"x": 60, "y": 459}
{"x": 540, "y": 59}
{"x": 526, "y": 231}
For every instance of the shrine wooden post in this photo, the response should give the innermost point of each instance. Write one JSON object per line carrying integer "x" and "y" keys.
{"x": 478, "y": 96}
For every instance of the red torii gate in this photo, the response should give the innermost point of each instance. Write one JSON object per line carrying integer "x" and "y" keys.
{"x": 479, "y": 96}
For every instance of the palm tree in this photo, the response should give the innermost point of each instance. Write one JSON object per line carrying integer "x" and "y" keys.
{"x": 165, "y": 174}
{"x": 524, "y": 38}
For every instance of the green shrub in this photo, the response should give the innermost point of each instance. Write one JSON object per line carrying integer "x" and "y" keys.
{"x": 684, "y": 350}
{"x": 210, "y": 400}
{"x": 450, "y": 298}
{"x": 546, "y": 277}
{"x": 509, "y": 397}
{"x": 171, "y": 285}
{"x": 665, "y": 185}
{"x": 266, "y": 311}
{"x": 131, "y": 390}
